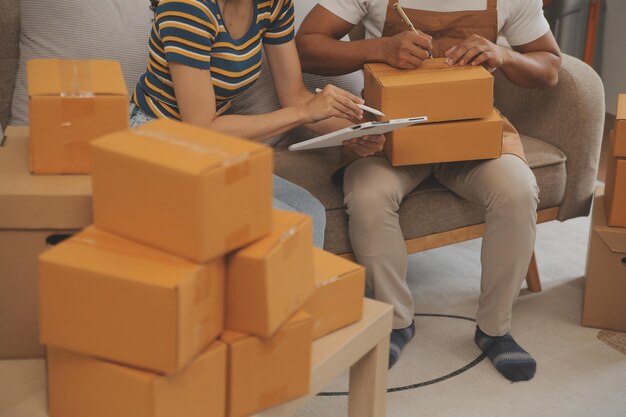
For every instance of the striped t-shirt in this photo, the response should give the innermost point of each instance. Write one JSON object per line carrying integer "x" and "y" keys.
{"x": 193, "y": 33}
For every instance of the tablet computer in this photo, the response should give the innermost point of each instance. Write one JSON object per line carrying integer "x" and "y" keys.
{"x": 337, "y": 137}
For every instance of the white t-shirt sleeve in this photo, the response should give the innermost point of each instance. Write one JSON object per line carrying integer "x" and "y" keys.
{"x": 352, "y": 11}
{"x": 525, "y": 22}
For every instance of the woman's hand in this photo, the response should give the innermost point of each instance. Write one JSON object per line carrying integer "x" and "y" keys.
{"x": 333, "y": 101}
{"x": 366, "y": 145}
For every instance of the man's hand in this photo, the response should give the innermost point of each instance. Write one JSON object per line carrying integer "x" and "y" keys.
{"x": 407, "y": 49}
{"x": 366, "y": 145}
{"x": 477, "y": 50}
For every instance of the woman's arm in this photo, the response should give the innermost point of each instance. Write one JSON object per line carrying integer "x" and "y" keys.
{"x": 196, "y": 102}
{"x": 287, "y": 75}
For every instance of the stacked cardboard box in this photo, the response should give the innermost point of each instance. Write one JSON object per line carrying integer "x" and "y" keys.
{"x": 605, "y": 280}
{"x": 458, "y": 101}
{"x": 184, "y": 242}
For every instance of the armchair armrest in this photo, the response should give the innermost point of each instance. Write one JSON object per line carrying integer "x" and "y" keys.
{"x": 569, "y": 116}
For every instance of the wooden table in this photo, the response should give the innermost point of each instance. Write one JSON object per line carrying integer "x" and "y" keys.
{"x": 362, "y": 347}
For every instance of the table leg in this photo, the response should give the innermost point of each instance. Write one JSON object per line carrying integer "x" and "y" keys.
{"x": 368, "y": 383}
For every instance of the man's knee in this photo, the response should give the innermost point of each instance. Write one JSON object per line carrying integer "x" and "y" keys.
{"x": 371, "y": 204}
{"x": 515, "y": 193}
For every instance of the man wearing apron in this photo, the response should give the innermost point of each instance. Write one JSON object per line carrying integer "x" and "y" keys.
{"x": 465, "y": 32}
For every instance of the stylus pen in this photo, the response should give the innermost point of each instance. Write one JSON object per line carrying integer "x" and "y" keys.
{"x": 362, "y": 106}
{"x": 408, "y": 22}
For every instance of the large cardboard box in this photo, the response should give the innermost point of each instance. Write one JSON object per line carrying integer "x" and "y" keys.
{"x": 446, "y": 141}
{"x": 71, "y": 103}
{"x": 186, "y": 190}
{"x": 108, "y": 297}
{"x": 270, "y": 279}
{"x": 80, "y": 386}
{"x": 615, "y": 190}
{"x": 605, "y": 281}
{"x": 338, "y": 297}
{"x": 266, "y": 372}
{"x": 619, "y": 149}
{"x": 436, "y": 90}
{"x": 36, "y": 211}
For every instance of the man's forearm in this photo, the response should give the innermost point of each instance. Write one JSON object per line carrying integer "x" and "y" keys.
{"x": 532, "y": 69}
{"x": 321, "y": 54}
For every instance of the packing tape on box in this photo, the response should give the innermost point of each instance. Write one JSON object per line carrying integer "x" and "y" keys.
{"x": 77, "y": 90}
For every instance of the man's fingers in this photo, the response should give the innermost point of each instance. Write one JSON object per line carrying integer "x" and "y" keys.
{"x": 471, "y": 54}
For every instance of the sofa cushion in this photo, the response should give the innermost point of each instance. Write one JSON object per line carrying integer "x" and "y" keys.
{"x": 428, "y": 209}
{"x": 9, "y": 52}
{"x": 82, "y": 29}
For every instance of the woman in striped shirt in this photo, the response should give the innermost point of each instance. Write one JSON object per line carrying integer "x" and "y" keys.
{"x": 203, "y": 53}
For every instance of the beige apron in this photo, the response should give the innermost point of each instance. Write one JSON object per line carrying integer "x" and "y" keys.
{"x": 452, "y": 28}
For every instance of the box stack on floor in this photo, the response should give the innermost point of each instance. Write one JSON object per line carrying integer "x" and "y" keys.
{"x": 188, "y": 295}
{"x": 605, "y": 280}
{"x": 458, "y": 101}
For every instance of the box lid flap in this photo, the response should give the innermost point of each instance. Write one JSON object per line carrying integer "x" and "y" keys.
{"x": 613, "y": 237}
{"x": 74, "y": 78}
{"x": 329, "y": 267}
{"x": 284, "y": 225}
{"x": 96, "y": 250}
{"x": 431, "y": 71}
{"x": 30, "y": 201}
{"x": 181, "y": 147}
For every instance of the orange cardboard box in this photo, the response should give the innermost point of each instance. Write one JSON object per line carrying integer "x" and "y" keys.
{"x": 108, "y": 297}
{"x": 436, "y": 90}
{"x": 615, "y": 190}
{"x": 193, "y": 192}
{"x": 72, "y": 102}
{"x": 36, "y": 211}
{"x": 267, "y": 372}
{"x": 267, "y": 281}
{"x": 619, "y": 149}
{"x": 338, "y": 297}
{"x": 80, "y": 386}
{"x": 605, "y": 281}
{"x": 446, "y": 141}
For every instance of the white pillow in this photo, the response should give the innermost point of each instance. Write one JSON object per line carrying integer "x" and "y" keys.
{"x": 82, "y": 29}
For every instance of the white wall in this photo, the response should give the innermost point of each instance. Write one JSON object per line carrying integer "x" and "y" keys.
{"x": 614, "y": 52}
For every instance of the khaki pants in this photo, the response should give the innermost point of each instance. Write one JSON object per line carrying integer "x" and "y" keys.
{"x": 506, "y": 187}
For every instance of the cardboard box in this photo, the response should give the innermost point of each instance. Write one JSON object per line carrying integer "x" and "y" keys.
{"x": 436, "y": 90}
{"x": 185, "y": 190}
{"x": 35, "y": 212}
{"x": 267, "y": 372}
{"x": 615, "y": 190}
{"x": 338, "y": 297}
{"x": 71, "y": 103}
{"x": 619, "y": 148}
{"x": 80, "y": 386}
{"x": 108, "y": 297}
{"x": 446, "y": 141}
{"x": 270, "y": 279}
{"x": 605, "y": 281}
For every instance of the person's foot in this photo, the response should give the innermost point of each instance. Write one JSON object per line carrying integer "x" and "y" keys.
{"x": 398, "y": 339}
{"x": 513, "y": 362}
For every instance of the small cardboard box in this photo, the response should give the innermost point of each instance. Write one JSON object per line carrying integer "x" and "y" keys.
{"x": 436, "y": 90}
{"x": 267, "y": 281}
{"x": 108, "y": 297}
{"x": 36, "y": 211}
{"x": 80, "y": 386}
{"x": 619, "y": 149}
{"x": 446, "y": 141}
{"x": 72, "y": 102}
{"x": 605, "y": 282}
{"x": 615, "y": 190}
{"x": 338, "y": 297}
{"x": 193, "y": 192}
{"x": 267, "y": 372}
